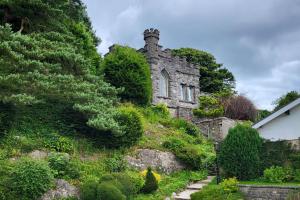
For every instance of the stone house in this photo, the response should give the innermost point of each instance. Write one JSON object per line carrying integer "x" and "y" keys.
{"x": 175, "y": 81}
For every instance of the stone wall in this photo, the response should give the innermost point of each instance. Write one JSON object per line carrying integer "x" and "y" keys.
{"x": 216, "y": 128}
{"x": 253, "y": 192}
{"x": 179, "y": 71}
{"x": 295, "y": 144}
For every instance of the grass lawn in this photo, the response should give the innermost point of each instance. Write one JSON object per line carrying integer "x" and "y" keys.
{"x": 267, "y": 183}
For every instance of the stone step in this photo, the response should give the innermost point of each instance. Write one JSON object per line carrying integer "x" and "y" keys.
{"x": 208, "y": 180}
{"x": 185, "y": 195}
{"x": 196, "y": 186}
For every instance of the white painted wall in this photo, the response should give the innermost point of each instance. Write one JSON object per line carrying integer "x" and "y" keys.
{"x": 284, "y": 127}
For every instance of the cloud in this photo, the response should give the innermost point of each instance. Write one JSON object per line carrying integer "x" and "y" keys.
{"x": 257, "y": 40}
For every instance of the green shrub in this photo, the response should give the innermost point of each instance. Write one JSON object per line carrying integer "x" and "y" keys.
{"x": 192, "y": 156}
{"x": 294, "y": 159}
{"x": 230, "y": 185}
{"x": 151, "y": 183}
{"x": 132, "y": 129}
{"x": 276, "y": 174}
{"x": 125, "y": 68}
{"x": 195, "y": 156}
{"x": 297, "y": 175}
{"x": 107, "y": 191}
{"x": 115, "y": 163}
{"x": 179, "y": 123}
{"x": 63, "y": 166}
{"x": 215, "y": 192}
{"x": 209, "y": 107}
{"x": 174, "y": 144}
{"x": 59, "y": 143}
{"x": 128, "y": 185}
{"x": 137, "y": 180}
{"x": 123, "y": 182}
{"x": 5, "y": 183}
{"x": 240, "y": 153}
{"x": 31, "y": 178}
{"x": 88, "y": 190}
{"x": 162, "y": 110}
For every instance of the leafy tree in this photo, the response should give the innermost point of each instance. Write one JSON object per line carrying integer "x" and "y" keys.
{"x": 53, "y": 57}
{"x": 209, "y": 106}
{"x": 128, "y": 69}
{"x": 261, "y": 114}
{"x": 240, "y": 153}
{"x": 214, "y": 77}
{"x": 241, "y": 108}
{"x": 286, "y": 99}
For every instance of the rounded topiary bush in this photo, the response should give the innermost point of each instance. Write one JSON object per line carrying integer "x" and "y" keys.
{"x": 121, "y": 181}
{"x": 240, "y": 153}
{"x": 130, "y": 120}
{"x": 30, "y": 179}
{"x": 125, "y": 68}
{"x": 88, "y": 190}
{"x": 107, "y": 191}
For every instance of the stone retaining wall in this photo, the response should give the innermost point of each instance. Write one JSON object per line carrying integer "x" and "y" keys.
{"x": 261, "y": 192}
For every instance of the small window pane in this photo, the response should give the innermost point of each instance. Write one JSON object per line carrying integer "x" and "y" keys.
{"x": 164, "y": 84}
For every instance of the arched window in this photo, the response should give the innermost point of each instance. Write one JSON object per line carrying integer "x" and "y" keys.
{"x": 164, "y": 80}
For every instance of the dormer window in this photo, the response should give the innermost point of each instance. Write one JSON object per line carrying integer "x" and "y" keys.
{"x": 164, "y": 80}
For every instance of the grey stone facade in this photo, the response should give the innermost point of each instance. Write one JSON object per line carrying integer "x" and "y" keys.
{"x": 216, "y": 128}
{"x": 180, "y": 74}
{"x": 253, "y": 192}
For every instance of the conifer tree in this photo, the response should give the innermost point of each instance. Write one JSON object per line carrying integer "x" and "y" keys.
{"x": 151, "y": 183}
{"x": 48, "y": 53}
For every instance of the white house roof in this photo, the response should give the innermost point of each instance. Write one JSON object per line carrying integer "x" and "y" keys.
{"x": 276, "y": 114}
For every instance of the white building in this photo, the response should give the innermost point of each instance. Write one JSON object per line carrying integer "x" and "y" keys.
{"x": 284, "y": 124}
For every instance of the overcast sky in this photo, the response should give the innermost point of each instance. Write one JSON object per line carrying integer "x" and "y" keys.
{"x": 258, "y": 40}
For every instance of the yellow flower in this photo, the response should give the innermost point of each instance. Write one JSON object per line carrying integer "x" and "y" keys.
{"x": 156, "y": 175}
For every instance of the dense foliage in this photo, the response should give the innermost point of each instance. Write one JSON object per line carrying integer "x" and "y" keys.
{"x": 214, "y": 77}
{"x": 125, "y": 68}
{"x": 240, "y": 153}
{"x": 131, "y": 125}
{"x": 194, "y": 155}
{"x": 277, "y": 153}
{"x": 241, "y": 108}
{"x": 30, "y": 179}
{"x": 275, "y": 174}
{"x": 55, "y": 60}
{"x": 261, "y": 114}
{"x": 62, "y": 166}
{"x": 286, "y": 99}
{"x": 209, "y": 106}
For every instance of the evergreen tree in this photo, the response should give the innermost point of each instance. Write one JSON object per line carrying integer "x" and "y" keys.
{"x": 151, "y": 183}
{"x": 125, "y": 68}
{"x": 46, "y": 55}
{"x": 214, "y": 77}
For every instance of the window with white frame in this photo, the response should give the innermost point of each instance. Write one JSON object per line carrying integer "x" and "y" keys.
{"x": 164, "y": 83}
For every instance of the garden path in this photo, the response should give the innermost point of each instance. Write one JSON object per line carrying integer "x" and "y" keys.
{"x": 192, "y": 188}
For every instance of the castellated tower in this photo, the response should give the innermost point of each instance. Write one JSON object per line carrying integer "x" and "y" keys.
{"x": 151, "y": 37}
{"x": 175, "y": 82}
